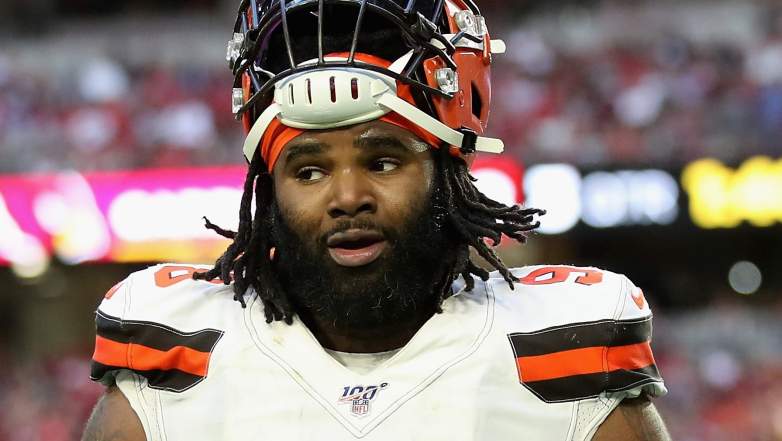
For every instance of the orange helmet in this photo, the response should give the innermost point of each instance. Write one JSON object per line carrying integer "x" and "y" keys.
{"x": 307, "y": 64}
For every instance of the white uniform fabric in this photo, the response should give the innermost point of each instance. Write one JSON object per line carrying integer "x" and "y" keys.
{"x": 361, "y": 363}
{"x": 457, "y": 379}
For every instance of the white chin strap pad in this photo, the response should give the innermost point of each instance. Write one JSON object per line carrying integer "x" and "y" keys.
{"x": 342, "y": 96}
{"x": 434, "y": 126}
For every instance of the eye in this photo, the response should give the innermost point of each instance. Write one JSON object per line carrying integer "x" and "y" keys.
{"x": 310, "y": 174}
{"x": 384, "y": 165}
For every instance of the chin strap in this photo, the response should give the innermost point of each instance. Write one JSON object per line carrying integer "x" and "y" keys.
{"x": 258, "y": 129}
{"x": 466, "y": 140}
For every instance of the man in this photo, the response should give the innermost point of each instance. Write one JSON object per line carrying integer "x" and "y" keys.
{"x": 361, "y": 316}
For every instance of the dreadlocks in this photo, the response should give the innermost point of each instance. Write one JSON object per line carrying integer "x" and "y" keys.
{"x": 470, "y": 216}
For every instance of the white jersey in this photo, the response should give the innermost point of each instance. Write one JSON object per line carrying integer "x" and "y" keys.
{"x": 547, "y": 361}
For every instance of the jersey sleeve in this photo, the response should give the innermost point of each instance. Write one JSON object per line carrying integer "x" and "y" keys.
{"x": 134, "y": 333}
{"x": 595, "y": 340}
{"x": 631, "y": 367}
{"x": 114, "y": 306}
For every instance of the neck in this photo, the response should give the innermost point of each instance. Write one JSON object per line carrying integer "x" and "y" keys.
{"x": 382, "y": 338}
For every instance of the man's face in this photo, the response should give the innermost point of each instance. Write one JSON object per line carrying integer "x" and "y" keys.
{"x": 356, "y": 239}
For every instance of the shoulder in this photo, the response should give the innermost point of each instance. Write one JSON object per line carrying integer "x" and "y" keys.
{"x": 162, "y": 324}
{"x": 552, "y": 295}
{"x": 161, "y": 293}
{"x": 577, "y": 332}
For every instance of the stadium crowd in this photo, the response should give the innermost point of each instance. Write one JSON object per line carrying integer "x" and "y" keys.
{"x": 664, "y": 102}
{"x": 46, "y": 400}
{"x": 659, "y": 101}
{"x": 103, "y": 115}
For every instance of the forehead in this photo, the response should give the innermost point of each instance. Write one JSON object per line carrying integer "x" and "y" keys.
{"x": 366, "y": 134}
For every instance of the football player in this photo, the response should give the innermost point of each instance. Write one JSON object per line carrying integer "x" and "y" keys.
{"x": 361, "y": 314}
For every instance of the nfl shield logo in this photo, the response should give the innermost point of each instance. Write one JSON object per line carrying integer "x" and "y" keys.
{"x": 360, "y": 398}
{"x": 360, "y": 407}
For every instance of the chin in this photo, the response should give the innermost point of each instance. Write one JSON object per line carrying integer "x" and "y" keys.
{"x": 359, "y": 278}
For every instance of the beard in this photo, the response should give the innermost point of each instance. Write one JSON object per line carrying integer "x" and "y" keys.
{"x": 404, "y": 282}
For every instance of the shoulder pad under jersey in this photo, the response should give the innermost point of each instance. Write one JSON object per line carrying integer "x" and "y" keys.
{"x": 160, "y": 324}
{"x": 578, "y": 332}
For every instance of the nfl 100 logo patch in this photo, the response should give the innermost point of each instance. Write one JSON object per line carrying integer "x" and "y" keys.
{"x": 360, "y": 398}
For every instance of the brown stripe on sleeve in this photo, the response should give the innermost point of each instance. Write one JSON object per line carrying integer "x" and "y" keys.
{"x": 154, "y": 335}
{"x": 580, "y": 387}
{"x": 170, "y": 359}
{"x": 582, "y": 360}
{"x": 581, "y": 335}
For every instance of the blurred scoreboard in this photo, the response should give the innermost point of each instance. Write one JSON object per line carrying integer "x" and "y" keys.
{"x": 126, "y": 216}
{"x": 154, "y": 215}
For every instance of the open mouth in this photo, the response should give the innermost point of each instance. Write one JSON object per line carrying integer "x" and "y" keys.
{"x": 356, "y": 247}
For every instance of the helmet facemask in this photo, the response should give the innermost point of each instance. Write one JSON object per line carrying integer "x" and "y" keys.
{"x": 281, "y": 58}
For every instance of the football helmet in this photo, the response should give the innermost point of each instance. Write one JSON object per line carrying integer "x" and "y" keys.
{"x": 305, "y": 64}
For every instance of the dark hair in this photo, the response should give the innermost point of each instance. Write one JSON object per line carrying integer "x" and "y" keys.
{"x": 469, "y": 214}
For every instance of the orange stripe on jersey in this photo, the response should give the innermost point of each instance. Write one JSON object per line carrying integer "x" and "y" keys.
{"x": 630, "y": 357}
{"x": 561, "y": 364}
{"x": 584, "y": 361}
{"x": 143, "y": 358}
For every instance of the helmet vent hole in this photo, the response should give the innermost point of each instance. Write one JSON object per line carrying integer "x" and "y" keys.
{"x": 309, "y": 91}
{"x": 477, "y": 103}
{"x": 354, "y": 88}
{"x": 290, "y": 93}
{"x": 333, "y": 87}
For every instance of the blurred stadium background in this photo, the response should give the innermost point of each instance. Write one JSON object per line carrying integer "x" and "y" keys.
{"x": 650, "y": 130}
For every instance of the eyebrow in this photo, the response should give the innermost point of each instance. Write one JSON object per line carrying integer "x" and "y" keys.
{"x": 363, "y": 142}
{"x": 303, "y": 148}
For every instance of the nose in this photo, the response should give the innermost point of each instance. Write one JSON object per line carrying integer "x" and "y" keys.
{"x": 351, "y": 195}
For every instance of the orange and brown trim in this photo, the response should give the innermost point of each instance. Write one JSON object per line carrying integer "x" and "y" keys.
{"x": 582, "y": 360}
{"x": 169, "y": 359}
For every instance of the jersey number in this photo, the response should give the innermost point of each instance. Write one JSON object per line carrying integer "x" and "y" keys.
{"x": 558, "y": 274}
{"x": 173, "y": 274}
